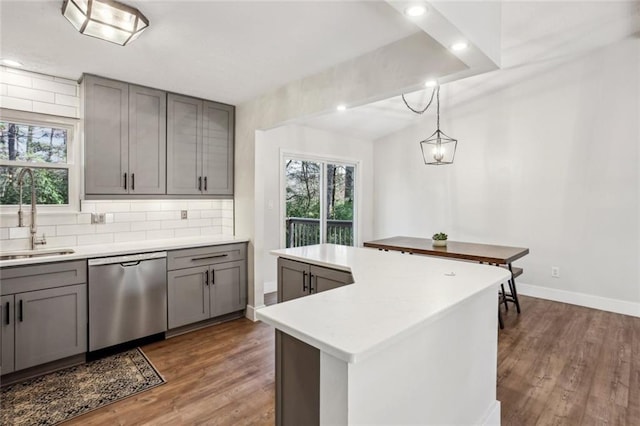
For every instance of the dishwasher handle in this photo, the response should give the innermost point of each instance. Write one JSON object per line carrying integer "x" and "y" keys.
{"x": 127, "y": 260}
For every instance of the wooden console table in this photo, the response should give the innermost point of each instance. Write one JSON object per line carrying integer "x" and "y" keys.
{"x": 483, "y": 253}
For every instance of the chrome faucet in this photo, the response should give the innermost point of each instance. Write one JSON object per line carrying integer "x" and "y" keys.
{"x": 33, "y": 226}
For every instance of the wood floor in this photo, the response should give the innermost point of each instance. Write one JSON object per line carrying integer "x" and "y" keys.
{"x": 558, "y": 364}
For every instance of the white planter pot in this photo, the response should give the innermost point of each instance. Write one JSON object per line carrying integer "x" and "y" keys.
{"x": 439, "y": 243}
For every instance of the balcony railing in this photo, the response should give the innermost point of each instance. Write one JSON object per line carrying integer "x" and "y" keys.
{"x": 304, "y": 232}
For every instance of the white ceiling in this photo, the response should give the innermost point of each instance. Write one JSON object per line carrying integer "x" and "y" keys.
{"x": 229, "y": 51}
{"x": 234, "y": 51}
{"x": 532, "y": 32}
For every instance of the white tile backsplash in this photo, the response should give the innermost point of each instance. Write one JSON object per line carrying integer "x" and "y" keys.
{"x": 89, "y": 240}
{"x": 128, "y": 221}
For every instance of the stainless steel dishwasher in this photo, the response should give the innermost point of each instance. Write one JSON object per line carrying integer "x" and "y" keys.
{"x": 127, "y": 298}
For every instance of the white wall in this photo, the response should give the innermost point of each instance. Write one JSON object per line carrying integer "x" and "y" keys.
{"x": 548, "y": 158}
{"x": 270, "y": 145}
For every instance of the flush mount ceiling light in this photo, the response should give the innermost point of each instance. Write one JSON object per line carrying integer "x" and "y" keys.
{"x": 438, "y": 149}
{"x": 105, "y": 19}
{"x": 416, "y": 10}
{"x": 430, "y": 83}
{"x": 341, "y": 108}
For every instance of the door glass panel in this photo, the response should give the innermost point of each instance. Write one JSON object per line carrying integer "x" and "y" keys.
{"x": 339, "y": 204}
{"x": 302, "y": 217}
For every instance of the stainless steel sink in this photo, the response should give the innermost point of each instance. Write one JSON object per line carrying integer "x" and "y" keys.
{"x": 24, "y": 254}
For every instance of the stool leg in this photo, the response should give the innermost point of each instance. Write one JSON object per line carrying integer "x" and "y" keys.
{"x": 504, "y": 297}
{"x": 500, "y": 319}
{"x": 514, "y": 292}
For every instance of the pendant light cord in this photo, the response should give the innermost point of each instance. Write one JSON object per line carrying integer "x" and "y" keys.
{"x": 438, "y": 109}
{"x": 437, "y": 88}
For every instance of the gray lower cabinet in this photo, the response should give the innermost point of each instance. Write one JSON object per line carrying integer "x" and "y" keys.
{"x": 51, "y": 324}
{"x": 7, "y": 332}
{"x": 215, "y": 284}
{"x": 44, "y": 314}
{"x": 200, "y": 140}
{"x": 125, "y": 138}
{"x": 297, "y": 382}
{"x": 298, "y": 279}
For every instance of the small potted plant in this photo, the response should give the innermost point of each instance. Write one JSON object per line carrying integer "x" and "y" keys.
{"x": 440, "y": 239}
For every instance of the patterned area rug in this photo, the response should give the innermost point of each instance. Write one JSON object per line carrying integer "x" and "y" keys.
{"x": 60, "y": 396}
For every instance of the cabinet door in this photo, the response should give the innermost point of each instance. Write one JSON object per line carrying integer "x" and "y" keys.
{"x": 297, "y": 382}
{"x": 188, "y": 296}
{"x": 6, "y": 334}
{"x": 228, "y": 287}
{"x": 217, "y": 160}
{"x": 293, "y": 279}
{"x": 184, "y": 145}
{"x": 50, "y": 324}
{"x": 147, "y": 140}
{"x": 106, "y": 135}
{"x": 323, "y": 279}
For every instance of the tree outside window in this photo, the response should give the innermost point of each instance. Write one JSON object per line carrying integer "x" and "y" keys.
{"x": 44, "y": 149}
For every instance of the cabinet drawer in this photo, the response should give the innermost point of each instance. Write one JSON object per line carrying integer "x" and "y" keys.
{"x": 19, "y": 279}
{"x": 201, "y": 256}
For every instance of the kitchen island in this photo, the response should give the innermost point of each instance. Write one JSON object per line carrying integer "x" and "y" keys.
{"x": 411, "y": 341}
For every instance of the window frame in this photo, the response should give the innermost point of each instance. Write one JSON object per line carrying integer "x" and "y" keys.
{"x": 73, "y": 164}
{"x": 323, "y": 160}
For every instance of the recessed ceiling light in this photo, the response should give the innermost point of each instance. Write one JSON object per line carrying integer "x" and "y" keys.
{"x": 461, "y": 45}
{"x": 417, "y": 10}
{"x": 11, "y": 63}
{"x": 430, "y": 83}
{"x": 341, "y": 107}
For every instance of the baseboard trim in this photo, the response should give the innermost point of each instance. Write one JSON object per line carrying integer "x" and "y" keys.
{"x": 492, "y": 418}
{"x": 581, "y": 299}
{"x": 251, "y": 312}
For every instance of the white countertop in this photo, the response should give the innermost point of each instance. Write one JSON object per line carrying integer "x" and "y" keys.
{"x": 115, "y": 249}
{"x": 393, "y": 295}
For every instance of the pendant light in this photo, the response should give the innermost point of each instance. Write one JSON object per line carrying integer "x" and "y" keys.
{"x": 438, "y": 149}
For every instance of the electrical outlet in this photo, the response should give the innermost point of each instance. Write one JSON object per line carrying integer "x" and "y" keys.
{"x": 555, "y": 271}
{"x": 183, "y": 214}
{"x": 98, "y": 218}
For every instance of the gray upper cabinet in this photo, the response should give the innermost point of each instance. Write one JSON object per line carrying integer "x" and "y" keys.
{"x": 125, "y": 138}
{"x": 200, "y": 140}
{"x": 147, "y": 140}
{"x": 218, "y": 139}
{"x": 106, "y": 113}
{"x": 184, "y": 145}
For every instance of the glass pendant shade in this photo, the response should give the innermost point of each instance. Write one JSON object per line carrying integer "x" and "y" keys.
{"x": 105, "y": 19}
{"x": 438, "y": 149}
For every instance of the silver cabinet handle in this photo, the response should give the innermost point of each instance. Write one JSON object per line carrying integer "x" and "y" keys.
{"x": 209, "y": 257}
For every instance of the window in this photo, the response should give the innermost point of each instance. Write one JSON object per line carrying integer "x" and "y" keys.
{"x": 44, "y": 144}
{"x": 319, "y": 202}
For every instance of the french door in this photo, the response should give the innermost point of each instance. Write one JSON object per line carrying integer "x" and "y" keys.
{"x": 319, "y": 198}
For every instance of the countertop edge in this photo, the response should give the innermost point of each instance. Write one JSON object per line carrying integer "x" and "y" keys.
{"x": 117, "y": 249}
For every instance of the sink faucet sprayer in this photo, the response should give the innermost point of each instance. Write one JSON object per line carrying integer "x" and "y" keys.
{"x": 33, "y": 228}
